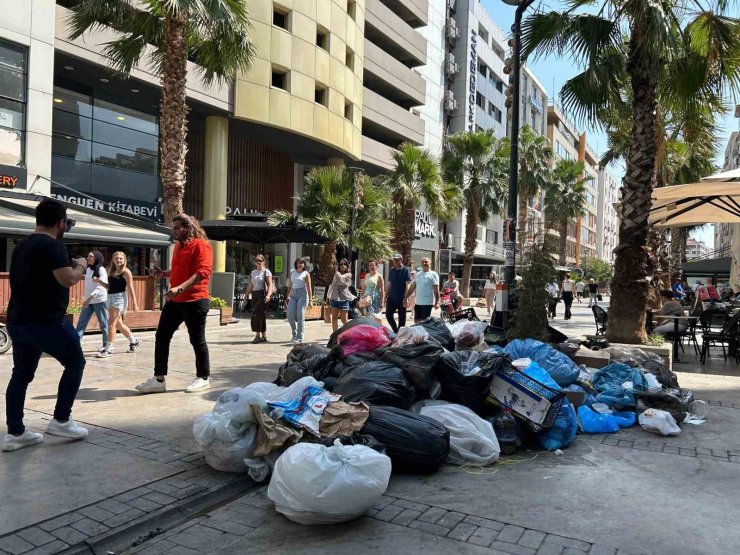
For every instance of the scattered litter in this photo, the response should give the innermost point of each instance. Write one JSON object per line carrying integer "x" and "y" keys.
{"x": 558, "y": 452}
{"x": 659, "y": 421}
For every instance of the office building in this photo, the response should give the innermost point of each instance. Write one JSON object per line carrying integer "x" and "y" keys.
{"x": 697, "y": 249}
{"x": 607, "y": 221}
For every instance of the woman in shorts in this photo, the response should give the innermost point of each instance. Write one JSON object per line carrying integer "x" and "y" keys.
{"x": 120, "y": 286}
{"x": 340, "y": 294}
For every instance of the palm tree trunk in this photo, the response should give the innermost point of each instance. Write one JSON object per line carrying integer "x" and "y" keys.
{"x": 678, "y": 239}
{"x": 471, "y": 232}
{"x": 173, "y": 113}
{"x": 521, "y": 231}
{"x": 630, "y": 283}
{"x": 327, "y": 264}
{"x": 563, "y": 242}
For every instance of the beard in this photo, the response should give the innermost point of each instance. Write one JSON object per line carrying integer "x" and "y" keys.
{"x": 60, "y": 234}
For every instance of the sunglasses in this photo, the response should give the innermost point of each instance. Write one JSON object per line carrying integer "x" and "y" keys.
{"x": 259, "y": 259}
{"x": 69, "y": 223}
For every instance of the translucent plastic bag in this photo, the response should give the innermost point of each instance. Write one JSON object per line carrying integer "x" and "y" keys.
{"x": 660, "y": 422}
{"x": 413, "y": 335}
{"x": 313, "y": 484}
{"x": 237, "y": 402}
{"x": 472, "y": 439}
{"x": 468, "y": 333}
{"x": 210, "y": 427}
{"x": 362, "y": 339}
{"x": 229, "y": 456}
{"x": 293, "y": 391}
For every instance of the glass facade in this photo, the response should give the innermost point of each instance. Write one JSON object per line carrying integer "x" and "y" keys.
{"x": 13, "y": 74}
{"x": 104, "y": 149}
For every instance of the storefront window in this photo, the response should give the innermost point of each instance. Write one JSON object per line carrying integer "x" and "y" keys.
{"x": 240, "y": 260}
{"x": 12, "y": 103}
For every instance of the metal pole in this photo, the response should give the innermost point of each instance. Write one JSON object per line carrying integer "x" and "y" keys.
{"x": 352, "y": 223}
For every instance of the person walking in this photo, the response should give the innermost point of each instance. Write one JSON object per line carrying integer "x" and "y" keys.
{"x": 593, "y": 293}
{"x": 188, "y": 301}
{"x": 260, "y": 286}
{"x": 489, "y": 291}
{"x": 299, "y": 296}
{"x": 579, "y": 290}
{"x": 96, "y": 297}
{"x": 552, "y": 304}
{"x": 426, "y": 288}
{"x": 40, "y": 278}
{"x": 340, "y": 294}
{"x": 399, "y": 278}
{"x": 373, "y": 291}
{"x": 120, "y": 286}
{"x": 567, "y": 288}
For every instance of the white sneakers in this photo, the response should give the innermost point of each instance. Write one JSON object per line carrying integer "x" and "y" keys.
{"x": 106, "y": 352}
{"x": 66, "y": 429}
{"x": 133, "y": 345}
{"x": 26, "y": 439}
{"x": 199, "y": 384}
{"x": 153, "y": 385}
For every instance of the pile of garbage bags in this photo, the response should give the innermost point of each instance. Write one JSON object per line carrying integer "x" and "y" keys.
{"x": 340, "y": 418}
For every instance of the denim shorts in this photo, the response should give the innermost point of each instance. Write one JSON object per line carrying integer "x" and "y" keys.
{"x": 341, "y": 305}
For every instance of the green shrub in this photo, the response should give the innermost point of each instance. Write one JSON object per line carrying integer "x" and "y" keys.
{"x": 218, "y": 302}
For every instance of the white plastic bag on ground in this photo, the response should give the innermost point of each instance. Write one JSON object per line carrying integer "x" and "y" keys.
{"x": 210, "y": 427}
{"x": 659, "y": 421}
{"x": 237, "y": 402}
{"x": 229, "y": 456}
{"x": 313, "y": 484}
{"x": 472, "y": 439}
{"x": 293, "y": 391}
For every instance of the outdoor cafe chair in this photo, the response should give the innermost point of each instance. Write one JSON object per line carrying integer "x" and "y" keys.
{"x": 717, "y": 330}
{"x": 600, "y": 318}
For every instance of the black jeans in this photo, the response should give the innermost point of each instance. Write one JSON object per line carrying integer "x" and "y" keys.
{"x": 390, "y": 311}
{"x": 422, "y": 311}
{"x": 194, "y": 315}
{"x": 568, "y": 301}
{"x": 60, "y": 340}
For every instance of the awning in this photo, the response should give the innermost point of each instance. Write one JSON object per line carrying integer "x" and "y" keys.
{"x": 93, "y": 226}
{"x": 708, "y": 267}
{"x": 716, "y": 199}
{"x": 258, "y": 232}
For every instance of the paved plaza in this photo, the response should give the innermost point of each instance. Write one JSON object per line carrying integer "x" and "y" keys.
{"x": 139, "y": 483}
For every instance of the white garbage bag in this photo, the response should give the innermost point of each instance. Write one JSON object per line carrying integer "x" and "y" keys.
{"x": 659, "y": 421}
{"x": 472, "y": 439}
{"x": 210, "y": 427}
{"x": 237, "y": 402}
{"x": 229, "y": 456}
{"x": 313, "y": 484}
{"x": 413, "y": 335}
{"x": 293, "y": 391}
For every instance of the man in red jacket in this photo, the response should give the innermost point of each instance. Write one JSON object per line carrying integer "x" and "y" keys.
{"x": 187, "y": 301}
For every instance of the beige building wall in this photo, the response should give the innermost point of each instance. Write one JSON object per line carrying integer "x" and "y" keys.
{"x": 337, "y": 70}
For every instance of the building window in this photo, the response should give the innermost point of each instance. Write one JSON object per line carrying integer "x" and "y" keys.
{"x": 322, "y": 38}
{"x": 500, "y": 86}
{"x": 351, "y": 7}
{"x": 13, "y": 72}
{"x": 349, "y": 59}
{"x": 480, "y": 100}
{"x": 348, "y": 110}
{"x": 280, "y": 79}
{"x": 281, "y": 17}
{"x": 321, "y": 95}
{"x": 483, "y": 69}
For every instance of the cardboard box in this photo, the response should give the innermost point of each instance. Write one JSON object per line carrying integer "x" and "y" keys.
{"x": 576, "y": 398}
{"x": 592, "y": 359}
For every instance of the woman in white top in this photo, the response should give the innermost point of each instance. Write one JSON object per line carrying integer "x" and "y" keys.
{"x": 489, "y": 290}
{"x": 567, "y": 288}
{"x": 299, "y": 296}
{"x": 96, "y": 295}
{"x": 260, "y": 286}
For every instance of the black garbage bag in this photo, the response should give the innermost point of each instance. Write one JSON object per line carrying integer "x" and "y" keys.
{"x": 377, "y": 383}
{"x": 366, "y": 321}
{"x": 418, "y": 361}
{"x": 466, "y": 376}
{"x": 674, "y": 401}
{"x": 357, "y": 438}
{"x": 306, "y": 350}
{"x": 347, "y": 363}
{"x": 437, "y": 329}
{"x": 416, "y": 444}
{"x": 666, "y": 377}
{"x": 319, "y": 366}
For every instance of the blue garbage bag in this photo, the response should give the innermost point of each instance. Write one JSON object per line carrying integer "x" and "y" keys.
{"x": 562, "y": 369}
{"x": 608, "y": 384}
{"x": 593, "y": 422}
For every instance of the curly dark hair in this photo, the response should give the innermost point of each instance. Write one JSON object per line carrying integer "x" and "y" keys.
{"x": 192, "y": 225}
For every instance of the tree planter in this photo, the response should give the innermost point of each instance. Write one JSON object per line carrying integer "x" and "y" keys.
{"x": 227, "y": 315}
{"x": 313, "y": 312}
{"x": 141, "y": 320}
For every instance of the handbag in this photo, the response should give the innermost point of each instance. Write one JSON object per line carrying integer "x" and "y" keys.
{"x": 599, "y": 297}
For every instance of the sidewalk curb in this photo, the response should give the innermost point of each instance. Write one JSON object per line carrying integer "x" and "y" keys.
{"x": 122, "y": 538}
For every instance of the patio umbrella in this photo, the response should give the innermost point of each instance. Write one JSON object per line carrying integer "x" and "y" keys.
{"x": 716, "y": 199}
{"x": 258, "y": 232}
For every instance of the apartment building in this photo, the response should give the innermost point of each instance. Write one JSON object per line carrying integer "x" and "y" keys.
{"x": 697, "y": 249}
{"x": 570, "y": 144}
{"x": 607, "y": 220}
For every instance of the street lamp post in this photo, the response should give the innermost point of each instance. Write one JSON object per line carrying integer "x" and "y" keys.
{"x": 352, "y": 222}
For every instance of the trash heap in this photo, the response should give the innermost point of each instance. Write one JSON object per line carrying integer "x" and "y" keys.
{"x": 339, "y": 418}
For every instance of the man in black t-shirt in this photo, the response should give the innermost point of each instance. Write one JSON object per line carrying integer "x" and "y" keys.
{"x": 40, "y": 278}
{"x": 593, "y": 293}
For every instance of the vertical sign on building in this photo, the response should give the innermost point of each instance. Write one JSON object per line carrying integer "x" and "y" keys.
{"x": 472, "y": 78}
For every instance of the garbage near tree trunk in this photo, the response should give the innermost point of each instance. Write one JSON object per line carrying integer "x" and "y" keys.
{"x": 314, "y": 484}
{"x": 562, "y": 369}
{"x": 438, "y": 330}
{"x": 377, "y": 383}
{"x": 472, "y": 439}
{"x": 416, "y": 444}
{"x": 362, "y": 339}
{"x": 417, "y": 362}
{"x": 465, "y": 376}
{"x": 616, "y": 385}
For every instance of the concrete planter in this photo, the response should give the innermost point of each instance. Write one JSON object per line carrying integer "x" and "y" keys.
{"x": 314, "y": 312}
{"x": 665, "y": 351}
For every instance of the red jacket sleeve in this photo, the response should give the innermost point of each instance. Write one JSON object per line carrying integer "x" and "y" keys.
{"x": 203, "y": 255}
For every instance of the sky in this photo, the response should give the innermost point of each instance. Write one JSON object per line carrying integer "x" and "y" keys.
{"x": 553, "y": 71}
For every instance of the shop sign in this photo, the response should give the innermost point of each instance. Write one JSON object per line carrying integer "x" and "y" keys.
{"x": 423, "y": 225}
{"x": 12, "y": 177}
{"x": 238, "y": 211}
{"x": 278, "y": 264}
{"x": 473, "y": 73}
{"x": 142, "y": 209}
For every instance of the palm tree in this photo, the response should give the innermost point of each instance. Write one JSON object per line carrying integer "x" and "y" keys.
{"x": 325, "y": 207}
{"x": 416, "y": 180}
{"x": 211, "y": 33}
{"x": 477, "y": 163}
{"x": 565, "y": 199}
{"x": 638, "y": 45}
{"x": 535, "y": 161}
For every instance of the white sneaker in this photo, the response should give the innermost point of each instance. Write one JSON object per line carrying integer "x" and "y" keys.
{"x": 66, "y": 429}
{"x": 198, "y": 384}
{"x": 26, "y": 439}
{"x": 152, "y": 385}
{"x": 133, "y": 345}
{"x": 105, "y": 353}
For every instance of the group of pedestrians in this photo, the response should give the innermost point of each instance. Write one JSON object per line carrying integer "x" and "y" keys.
{"x": 569, "y": 290}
